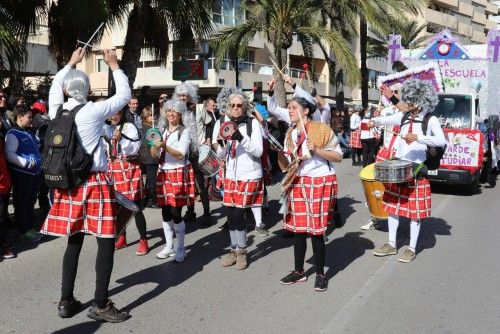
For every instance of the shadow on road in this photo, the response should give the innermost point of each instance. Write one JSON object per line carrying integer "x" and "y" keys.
{"x": 346, "y": 208}
{"x": 88, "y": 327}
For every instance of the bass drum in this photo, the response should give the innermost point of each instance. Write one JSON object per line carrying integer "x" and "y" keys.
{"x": 374, "y": 192}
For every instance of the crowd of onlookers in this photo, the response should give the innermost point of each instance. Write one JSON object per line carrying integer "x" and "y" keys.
{"x": 20, "y": 163}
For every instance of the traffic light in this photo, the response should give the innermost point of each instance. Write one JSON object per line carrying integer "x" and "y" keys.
{"x": 257, "y": 91}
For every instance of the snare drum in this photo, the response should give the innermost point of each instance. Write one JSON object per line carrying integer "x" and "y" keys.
{"x": 394, "y": 171}
{"x": 126, "y": 209}
{"x": 208, "y": 162}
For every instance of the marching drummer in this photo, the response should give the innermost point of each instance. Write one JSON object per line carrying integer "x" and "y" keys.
{"x": 243, "y": 184}
{"x": 175, "y": 179}
{"x": 412, "y": 199}
{"x": 125, "y": 172}
{"x": 311, "y": 186}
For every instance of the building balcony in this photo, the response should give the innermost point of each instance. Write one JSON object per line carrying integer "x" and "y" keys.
{"x": 447, "y": 3}
{"x": 478, "y": 36}
{"x": 491, "y": 24}
{"x": 479, "y": 18}
{"x": 492, "y": 9}
{"x": 483, "y": 3}
{"x": 443, "y": 19}
{"x": 465, "y": 9}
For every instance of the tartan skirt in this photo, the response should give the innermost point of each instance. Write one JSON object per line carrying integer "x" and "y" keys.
{"x": 310, "y": 204}
{"x": 175, "y": 187}
{"x": 355, "y": 139}
{"x": 89, "y": 208}
{"x": 127, "y": 179}
{"x": 411, "y": 200}
{"x": 243, "y": 193}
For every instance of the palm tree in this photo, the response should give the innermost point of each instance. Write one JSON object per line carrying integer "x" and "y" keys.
{"x": 379, "y": 14}
{"x": 280, "y": 22}
{"x": 151, "y": 25}
{"x": 17, "y": 20}
{"x": 411, "y": 38}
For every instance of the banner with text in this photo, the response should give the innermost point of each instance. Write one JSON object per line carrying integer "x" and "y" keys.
{"x": 464, "y": 149}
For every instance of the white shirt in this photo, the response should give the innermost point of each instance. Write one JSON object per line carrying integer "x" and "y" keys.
{"x": 322, "y": 114}
{"x": 367, "y": 134}
{"x": 179, "y": 144}
{"x": 355, "y": 121}
{"x": 416, "y": 151}
{"x": 388, "y": 135}
{"x": 202, "y": 119}
{"x": 90, "y": 119}
{"x": 315, "y": 166}
{"x": 127, "y": 147}
{"x": 246, "y": 164}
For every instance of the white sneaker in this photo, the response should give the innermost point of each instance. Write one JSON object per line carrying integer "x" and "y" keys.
{"x": 180, "y": 254}
{"x": 165, "y": 253}
{"x": 369, "y": 226}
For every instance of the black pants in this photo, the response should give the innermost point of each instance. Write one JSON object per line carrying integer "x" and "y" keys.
{"x": 200, "y": 185}
{"x": 4, "y": 202}
{"x": 235, "y": 219}
{"x": 24, "y": 192}
{"x": 140, "y": 221}
{"x": 43, "y": 194}
{"x": 103, "y": 267}
{"x": 169, "y": 213}
{"x": 368, "y": 151}
{"x": 151, "y": 171}
{"x": 299, "y": 251}
{"x": 355, "y": 152}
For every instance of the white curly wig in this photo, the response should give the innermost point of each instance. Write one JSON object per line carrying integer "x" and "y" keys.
{"x": 227, "y": 94}
{"x": 187, "y": 89}
{"x": 421, "y": 94}
{"x": 188, "y": 119}
{"x": 76, "y": 84}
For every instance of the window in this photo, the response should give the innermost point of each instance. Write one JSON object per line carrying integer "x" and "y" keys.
{"x": 228, "y": 13}
{"x": 101, "y": 66}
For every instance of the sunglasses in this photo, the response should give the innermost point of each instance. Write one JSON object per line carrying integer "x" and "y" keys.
{"x": 236, "y": 105}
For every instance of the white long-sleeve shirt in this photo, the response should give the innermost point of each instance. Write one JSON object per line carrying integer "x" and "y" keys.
{"x": 315, "y": 166}
{"x": 322, "y": 114}
{"x": 127, "y": 147}
{"x": 355, "y": 121}
{"x": 246, "y": 164}
{"x": 179, "y": 144}
{"x": 90, "y": 118}
{"x": 416, "y": 151}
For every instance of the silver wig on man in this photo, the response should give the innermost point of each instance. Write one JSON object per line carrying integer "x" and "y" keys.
{"x": 421, "y": 94}
{"x": 76, "y": 85}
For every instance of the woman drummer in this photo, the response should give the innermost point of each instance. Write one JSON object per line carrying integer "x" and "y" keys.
{"x": 175, "y": 185}
{"x": 313, "y": 188}
{"x": 243, "y": 183}
{"x": 413, "y": 199}
{"x": 125, "y": 170}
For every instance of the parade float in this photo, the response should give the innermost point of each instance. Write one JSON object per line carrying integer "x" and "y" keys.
{"x": 466, "y": 78}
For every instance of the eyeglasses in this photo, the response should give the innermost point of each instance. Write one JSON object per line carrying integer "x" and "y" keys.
{"x": 3, "y": 97}
{"x": 236, "y": 105}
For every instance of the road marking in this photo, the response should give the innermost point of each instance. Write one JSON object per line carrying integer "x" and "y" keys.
{"x": 346, "y": 314}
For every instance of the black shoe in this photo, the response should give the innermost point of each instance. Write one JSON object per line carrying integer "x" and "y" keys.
{"x": 206, "y": 220}
{"x": 67, "y": 309}
{"x": 293, "y": 277}
{"x": 321, "y": 284}
{"x": 189, "y": 216}
{"x": 151, "y": 204}
{"x": 222, "y": 226}
{"x": 108, "y": 314}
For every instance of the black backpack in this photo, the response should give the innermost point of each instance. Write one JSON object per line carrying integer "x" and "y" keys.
{"x": 434, "y": 154}
{"x": 65, "y": 163}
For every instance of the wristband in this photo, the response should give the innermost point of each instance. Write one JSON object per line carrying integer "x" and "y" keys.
{"x": 394, "y": 100}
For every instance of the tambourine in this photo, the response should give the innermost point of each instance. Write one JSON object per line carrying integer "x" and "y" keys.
{"x": 153, "y": 136}
{"x": 227, "y": 129}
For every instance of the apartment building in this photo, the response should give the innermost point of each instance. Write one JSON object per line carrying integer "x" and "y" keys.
{"x": 470, "y": 20}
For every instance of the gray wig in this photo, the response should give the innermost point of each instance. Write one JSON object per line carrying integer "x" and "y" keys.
{"x": 421, "y": 94}
{"x": 188, "y": 120}
{"x": 76, "y": 83}
{"x": 187, "y": 89}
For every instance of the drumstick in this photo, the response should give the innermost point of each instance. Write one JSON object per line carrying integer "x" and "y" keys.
{"x": 394, "y": 132}
{"x": 281, "y": 72}
{"x": 93, "y": 35}
{"x": 153, "y": 114}
{"x": 306, "y": 67}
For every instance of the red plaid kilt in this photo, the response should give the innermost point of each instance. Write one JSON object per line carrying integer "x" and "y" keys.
{"x": 411, "y": 200}
{"x": 243, "y": 193}
{"x": 175, "y": 187}
{"x": 312, "y": 218}
{"x": 89, "y": 208}
{"x": 127, "y": 179}
{"x": 355, "y": 139}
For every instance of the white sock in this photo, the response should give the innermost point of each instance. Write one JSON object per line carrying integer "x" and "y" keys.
{"x": 257, "y": 215}
{"x": 234, "y": 238}
{"x": 180, "y": 233}
{"x": 393, "y": 223}
{"x": 168, "y": 229}
{"x": 414, "y": 232}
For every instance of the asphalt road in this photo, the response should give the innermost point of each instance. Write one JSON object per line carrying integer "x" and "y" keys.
{"x": 451, "y": 287}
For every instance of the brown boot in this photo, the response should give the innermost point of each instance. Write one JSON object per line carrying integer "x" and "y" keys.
{"x": 241, "y": 259}
{"x": 229, "y": 259}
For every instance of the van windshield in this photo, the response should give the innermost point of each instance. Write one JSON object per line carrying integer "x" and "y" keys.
{"x": 454, "y": 111}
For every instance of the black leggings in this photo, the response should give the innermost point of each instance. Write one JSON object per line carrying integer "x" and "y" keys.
{"x": 103, "y": 267}
{"x": 200, "y": 185}
{"x": 140, "y": 223}
{"x": 356, "y": 152}
{"x": 368, "y": 151}
{"x": 299, "y": 251}
{"x": 235, "y": 219}
{"x": 169, "y": 213}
